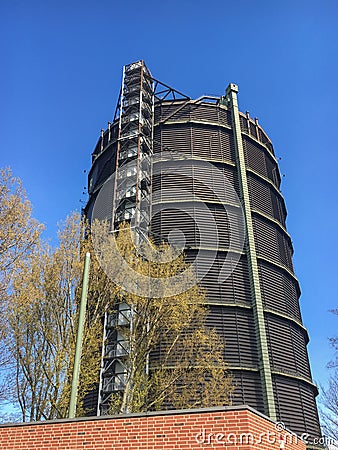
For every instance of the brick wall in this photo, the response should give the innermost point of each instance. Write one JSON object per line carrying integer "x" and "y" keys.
{"x": 235, "y": 428}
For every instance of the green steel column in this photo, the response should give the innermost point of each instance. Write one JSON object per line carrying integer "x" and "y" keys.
{"x": 79, "y": 337}
{"x": 265, "y": 370}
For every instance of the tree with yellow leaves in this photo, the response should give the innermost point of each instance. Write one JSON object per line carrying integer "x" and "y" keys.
{"x": 173, "y": 360}
{"x": 42, "y": 316}
{"x": 19, "y": 236}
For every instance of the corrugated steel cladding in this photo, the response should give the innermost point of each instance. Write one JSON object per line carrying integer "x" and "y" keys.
{"x": 204, "y": 132}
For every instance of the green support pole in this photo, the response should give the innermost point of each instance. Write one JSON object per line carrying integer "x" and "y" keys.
{"x": 258, "y": 310}
{"x": 79, "y": 338}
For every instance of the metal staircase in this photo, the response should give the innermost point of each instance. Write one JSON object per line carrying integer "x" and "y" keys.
{"x": 132, "y": 182}
{"x": 131, "y": 203}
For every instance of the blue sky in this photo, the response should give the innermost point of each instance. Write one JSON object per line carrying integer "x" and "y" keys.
{"x": 61, "y": 72}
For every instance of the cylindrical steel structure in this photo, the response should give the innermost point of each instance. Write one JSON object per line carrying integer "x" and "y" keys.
{"x": 256, "y": 308}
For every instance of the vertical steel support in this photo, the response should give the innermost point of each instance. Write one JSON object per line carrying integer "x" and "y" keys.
{"x": 79, "y": 338}
{"x": 264, "y": 361}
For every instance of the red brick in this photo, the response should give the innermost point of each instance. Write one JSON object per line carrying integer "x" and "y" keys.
{"x": 152, "y": 432}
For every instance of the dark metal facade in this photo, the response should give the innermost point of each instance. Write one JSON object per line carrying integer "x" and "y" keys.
{"x": 203, "y": 131}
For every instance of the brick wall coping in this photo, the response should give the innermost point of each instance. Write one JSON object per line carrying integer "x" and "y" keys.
{"x": 143, "y": 414}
